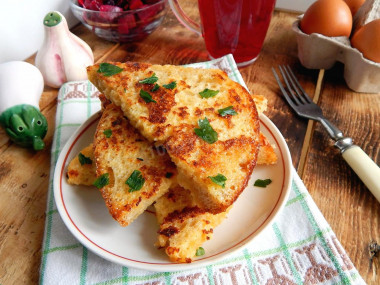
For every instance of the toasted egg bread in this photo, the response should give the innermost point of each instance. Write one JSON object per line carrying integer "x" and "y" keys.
{"x": 267, "y": 155}
{"x": 215, "y": 153}
{"x": 261, "y": 103}
{"x": 81, "y": 169}
{"x": 138, "y": 174}
{"x": 184, "y": 227}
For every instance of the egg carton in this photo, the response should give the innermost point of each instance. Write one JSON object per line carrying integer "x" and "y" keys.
{"x": 317, "y": 51}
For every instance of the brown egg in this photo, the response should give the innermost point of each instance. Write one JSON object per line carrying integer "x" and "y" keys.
{"x": 354, "y": 5}
{"x": 331, "y": 18}
{"x": 367, "y": 40}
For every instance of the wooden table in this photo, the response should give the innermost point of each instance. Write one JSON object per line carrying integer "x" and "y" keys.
{"x": 350, "y": 209}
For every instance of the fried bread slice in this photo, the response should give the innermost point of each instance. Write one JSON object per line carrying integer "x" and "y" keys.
{"x": 267, "y": 155}
{"x": 138, "y": 174}
{"x": 184, "y": 227}
{"x": 81, "y": 169}
{"x": 261, "y": 103}
{"x": 225, "y": 147}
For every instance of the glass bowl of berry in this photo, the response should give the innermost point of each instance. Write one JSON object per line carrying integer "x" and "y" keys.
{"x": 120, "y": 20}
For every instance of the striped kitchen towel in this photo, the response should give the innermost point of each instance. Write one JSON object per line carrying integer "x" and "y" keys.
{"x": 299, "y": 247}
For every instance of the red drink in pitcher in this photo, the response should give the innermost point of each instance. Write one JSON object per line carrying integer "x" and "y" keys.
{"x": 235, "y": 26}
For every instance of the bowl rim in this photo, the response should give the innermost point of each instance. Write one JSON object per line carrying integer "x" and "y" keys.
{"x": 74, "y": 5}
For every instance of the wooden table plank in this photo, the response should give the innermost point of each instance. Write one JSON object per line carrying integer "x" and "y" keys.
{"x": 348, "y": 206}
{"x": 24, "y": 179}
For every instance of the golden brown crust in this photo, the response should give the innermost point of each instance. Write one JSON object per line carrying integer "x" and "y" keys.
{"x": 185, "y": 213}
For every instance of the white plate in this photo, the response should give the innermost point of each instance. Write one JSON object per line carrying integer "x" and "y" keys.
{"x": 86, "y": 216}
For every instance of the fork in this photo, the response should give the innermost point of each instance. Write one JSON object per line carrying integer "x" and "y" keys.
{"x": 367, "y": 170}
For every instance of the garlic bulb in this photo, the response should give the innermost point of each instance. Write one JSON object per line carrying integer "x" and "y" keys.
{"x": 63, "y": 56}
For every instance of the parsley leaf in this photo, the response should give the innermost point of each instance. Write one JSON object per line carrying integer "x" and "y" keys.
{"x": 102, "y": 181}
{"x": 84, "y": 159}
{"x": 168, "y": 174}
{"x": 227, "y": 111}
{"x": 262, "y": 183}
{"x": 207, "y": 93}
{"x": 206, "y": 132}
{"x": 146, "y": 96}
{"x": 149, "y": 80}
{"x": 171, "y": 85}
{"x": 200, "y": 251}
{"x": 109, "y": 69}
{"x": 107, "y": 133}
{"x": 219, "y": 179}
{"x": 155, "y": 87}
{"x": 135, "y": 181}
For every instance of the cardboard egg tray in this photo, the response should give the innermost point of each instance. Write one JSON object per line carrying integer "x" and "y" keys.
{"x": 317, "y": 51}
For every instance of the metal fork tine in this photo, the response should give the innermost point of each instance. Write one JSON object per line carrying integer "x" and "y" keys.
{"x": 305, "y": 96}
{"x": 295, "y": 87}
{"x": 287, "y": 97}
{"x": 296, "y": 91}
{"x": 291, "y": 91}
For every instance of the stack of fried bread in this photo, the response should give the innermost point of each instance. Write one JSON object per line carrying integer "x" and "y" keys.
{"x": 183, "y": 139}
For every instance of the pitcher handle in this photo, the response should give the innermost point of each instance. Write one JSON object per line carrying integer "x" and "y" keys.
{"x": 183, "y": 18}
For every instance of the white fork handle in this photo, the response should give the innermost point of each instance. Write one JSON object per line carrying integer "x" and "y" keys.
{"x": 367, "y": 170}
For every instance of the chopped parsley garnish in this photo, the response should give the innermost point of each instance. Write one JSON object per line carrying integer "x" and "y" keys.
{"x": 262, "y": 183}
{"x": 155, "y": 87}
{"x": 200, "y": 251}
{"x": 219, "y": 179}
{"x": 109, "y": 69}
{"x": 135, "y": 181}
{"x": 141, "y": 159}
{"x": 206, "y": 132}
{"x": 207, "y": 93}
{"x": 149, "y": 80}
{"x": 84, "y": 159}
{"x": 107, "y": 133}
{"x": 171, "y": 85}
{"x": 102, "y": 181}
{"x": 227, "y": 111}
{"x": 146, "y": 96}
{"x": 168, "y": 174}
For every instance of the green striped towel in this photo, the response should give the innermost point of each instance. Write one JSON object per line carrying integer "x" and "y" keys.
{"x": 298, "y": 248}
